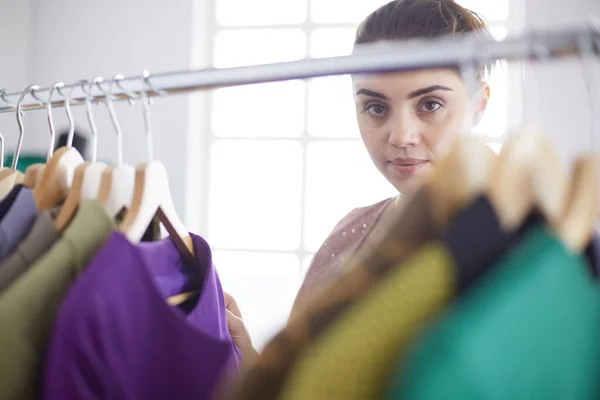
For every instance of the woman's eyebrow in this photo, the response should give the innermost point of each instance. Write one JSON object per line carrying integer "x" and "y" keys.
{"x": 371, "y": 93}
{"x": 412, "y": 95}
{"x": 428, "y": 89}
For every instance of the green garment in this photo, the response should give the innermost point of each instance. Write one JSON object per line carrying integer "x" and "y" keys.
{"x": 530, "y": 329}
{"x": 30, "y": 305}
{"x": 353, "y": 357}
{"x": 25, "y": 160}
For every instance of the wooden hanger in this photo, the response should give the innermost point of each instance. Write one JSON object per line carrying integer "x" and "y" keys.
{"x": 576, "y": 225}
{"x": 527, "y": 175}
{"x": 459, "y": 177}
{"x": 73, "y": 198}
{"x": 9, "y": 177}
{"x": 88, "y": 176}
{"x": 151, "y": 194}
{"x": 117, "y": 182}
{"x": 57, "y": 177}
{"x": 32, "y": 175}
{"x": 116, "y": 188}
{"x": 86, "y": 182}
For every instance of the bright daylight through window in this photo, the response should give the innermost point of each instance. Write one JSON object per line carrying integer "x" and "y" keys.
{"x": 274, "y": 192}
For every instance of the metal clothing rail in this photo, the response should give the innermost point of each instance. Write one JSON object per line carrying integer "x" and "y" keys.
{"x": 371, "y": 58}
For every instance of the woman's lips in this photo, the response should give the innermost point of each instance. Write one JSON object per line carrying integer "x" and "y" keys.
{"x": 407, "y": 167}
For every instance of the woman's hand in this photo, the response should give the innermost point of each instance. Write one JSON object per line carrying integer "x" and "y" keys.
{"x": 237, "y": 330}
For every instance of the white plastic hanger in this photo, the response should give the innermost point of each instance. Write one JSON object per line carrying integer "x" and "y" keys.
{"x": 152, "y": 194}
{"x": 57, "y": 177}
{"x": 117, "y": 181}
{"x": 86, "y": 183}
{"x": 93, "y": 173}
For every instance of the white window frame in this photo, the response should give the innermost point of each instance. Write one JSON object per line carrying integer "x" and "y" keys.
{"x": 210, "y": 27}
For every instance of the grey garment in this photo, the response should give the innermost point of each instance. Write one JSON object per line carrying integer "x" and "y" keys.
{"x": 40, "y": 238}
{"x": 17, "y": 220}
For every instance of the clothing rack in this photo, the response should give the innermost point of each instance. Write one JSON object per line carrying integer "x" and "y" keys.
{"x": 418, "y": 54}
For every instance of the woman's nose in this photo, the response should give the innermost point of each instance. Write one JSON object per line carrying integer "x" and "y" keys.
{"x": 404, "y": 132}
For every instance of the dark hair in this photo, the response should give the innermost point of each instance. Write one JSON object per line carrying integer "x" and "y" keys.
{"x": 410, "y": 19}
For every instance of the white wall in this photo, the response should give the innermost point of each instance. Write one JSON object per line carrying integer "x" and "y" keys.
{"x": 71, "y": 40}
{"x": 14, "y": 48}
{"x": 555, "y": 94}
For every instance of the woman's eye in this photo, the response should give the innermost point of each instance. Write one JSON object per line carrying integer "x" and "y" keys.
{"x": 376, "y": 110}
{"x": 430, "y": 106}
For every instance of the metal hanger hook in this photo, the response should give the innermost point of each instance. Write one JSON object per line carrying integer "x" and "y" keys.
{"x": 51, "y": 121}
{"x": 131, "y": 96}
{"x": 67, "y": 98}
{"x": 86, "y": 88}
{"x": 2, "y": 94}
{"x": 146, "y": 109}
{"x": 27, "y": 90}
{"x": 108, "y": 97}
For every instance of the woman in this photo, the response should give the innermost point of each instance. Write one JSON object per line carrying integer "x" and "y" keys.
{"x": 406, "y": 121}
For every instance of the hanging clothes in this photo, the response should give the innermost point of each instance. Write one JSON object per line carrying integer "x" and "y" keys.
{"x": 116, "y": 337}
{"x": 39, "y": 239}
{"x": 29, "y": 306}
{"x": 352, "y": 359}
{"x": 265, "y": 379}
{"x": 592, "y": 253}
{"x": 18, "y": 211}
{"x": 528, "y": 330}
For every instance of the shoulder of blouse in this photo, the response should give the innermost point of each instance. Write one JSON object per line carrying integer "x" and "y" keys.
{"x": 344, "y": 239}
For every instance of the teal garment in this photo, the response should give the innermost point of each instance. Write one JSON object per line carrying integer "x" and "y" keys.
{"x": 530, "y": 329}
{"x": 25, "y": 160}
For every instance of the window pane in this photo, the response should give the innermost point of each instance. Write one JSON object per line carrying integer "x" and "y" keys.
{"x": 496, "y": 147}
{"x": 264, "y": 286}
{"x": 331, "y": 42}
{"x": 239, "y": 47}
{"x": 306, "y": 264}
{"x": 255, "y": 194}
{"x": 495, "y": 120}
{"x": 342, "y": 11}
{"x": 260, "y": 12}
{"x": 265, "y": 110}
{"x": 253, "y": 265}
{"x": 498, "y": 32}
{"x": 340, "y": 178}
{"x": 493, "y": 10}
{"x": 331, "y": 111}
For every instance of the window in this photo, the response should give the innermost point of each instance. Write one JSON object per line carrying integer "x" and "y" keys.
{"x": 273, "y": 193}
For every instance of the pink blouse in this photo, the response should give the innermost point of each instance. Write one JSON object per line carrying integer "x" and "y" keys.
{"x": 345, "y": 239}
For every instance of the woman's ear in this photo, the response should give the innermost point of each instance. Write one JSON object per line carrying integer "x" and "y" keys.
{"x": 483, "y": 97}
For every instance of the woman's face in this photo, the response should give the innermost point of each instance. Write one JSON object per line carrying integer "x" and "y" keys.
{"x": 408, "y": 119}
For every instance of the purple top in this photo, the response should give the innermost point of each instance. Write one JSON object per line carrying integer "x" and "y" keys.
{"x": 117, "y": 338}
